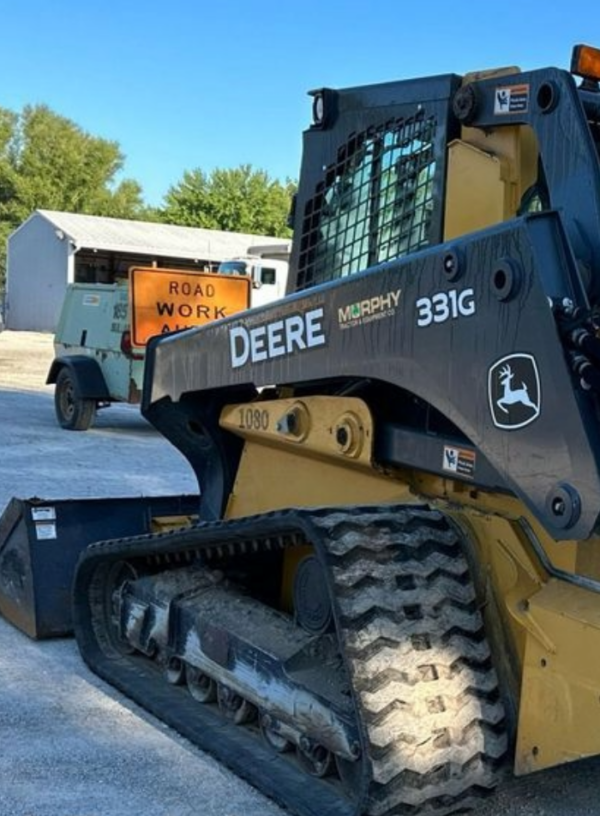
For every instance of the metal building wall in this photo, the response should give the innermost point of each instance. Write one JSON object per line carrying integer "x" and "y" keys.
{"x": 37, "y": 272}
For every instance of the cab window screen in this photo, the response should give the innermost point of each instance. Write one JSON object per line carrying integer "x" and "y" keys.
{"x": 375, "y": 203}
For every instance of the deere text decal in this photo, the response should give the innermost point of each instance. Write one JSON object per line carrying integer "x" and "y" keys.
{"x": 167, "y": 300}
{"x": 279, "y": 338}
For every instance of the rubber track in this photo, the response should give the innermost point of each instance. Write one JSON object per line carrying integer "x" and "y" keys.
{"x": 430, "y": 716}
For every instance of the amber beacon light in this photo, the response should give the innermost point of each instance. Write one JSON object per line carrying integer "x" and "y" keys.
{"x": 585, "y": 62}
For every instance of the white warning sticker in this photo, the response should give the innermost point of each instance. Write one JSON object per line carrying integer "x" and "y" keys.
{"x": 45, "y": 532}
{"x": 511, "y": 99}
{"x": 459, "y": 461}
{"x": 43, "y": 513}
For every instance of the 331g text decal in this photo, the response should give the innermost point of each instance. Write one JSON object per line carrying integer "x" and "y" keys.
{"x": 443, "y": 306}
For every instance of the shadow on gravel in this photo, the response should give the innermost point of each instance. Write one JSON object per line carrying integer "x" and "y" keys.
{"x": 37, "y": 408}
{"x": 565, "y": 791}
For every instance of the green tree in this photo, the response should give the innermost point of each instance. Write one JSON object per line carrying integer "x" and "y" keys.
{"x": 238, "y": 200}
{"x": 49, "y": 162}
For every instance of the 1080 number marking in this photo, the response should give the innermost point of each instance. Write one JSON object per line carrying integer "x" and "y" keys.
{"x": 445, "y": 306}
{"x": 253, "y": 419}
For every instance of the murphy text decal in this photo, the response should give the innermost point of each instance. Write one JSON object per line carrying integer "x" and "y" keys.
{"x": 373, "y": 308}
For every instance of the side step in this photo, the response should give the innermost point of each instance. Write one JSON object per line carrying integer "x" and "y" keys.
{"x": 41, "y": 540}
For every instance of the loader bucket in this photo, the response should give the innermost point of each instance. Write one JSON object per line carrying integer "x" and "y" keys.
{"x": 40, "y": 542}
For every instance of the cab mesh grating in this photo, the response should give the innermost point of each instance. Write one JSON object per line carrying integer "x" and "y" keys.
{"x": 374, "y": 204}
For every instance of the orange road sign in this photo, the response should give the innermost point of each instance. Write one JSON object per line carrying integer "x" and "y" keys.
{"x": 167, "y": 300}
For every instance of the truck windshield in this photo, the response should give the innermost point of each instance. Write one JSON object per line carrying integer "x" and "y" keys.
{"x": 233, "y": 268}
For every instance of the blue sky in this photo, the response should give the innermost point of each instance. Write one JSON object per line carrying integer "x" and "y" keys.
{"x": 183, "y": 85}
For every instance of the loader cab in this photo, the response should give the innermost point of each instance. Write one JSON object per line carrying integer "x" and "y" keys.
{"x": 391, "y": 169}
{"x": 372, "y": 175}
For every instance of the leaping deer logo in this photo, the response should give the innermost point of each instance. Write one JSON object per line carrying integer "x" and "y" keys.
{"x": 513, "y": 395}
{"x": 514, "y": 391}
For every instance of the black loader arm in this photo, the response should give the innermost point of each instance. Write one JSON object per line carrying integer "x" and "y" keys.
{"x": 485, "y": 338}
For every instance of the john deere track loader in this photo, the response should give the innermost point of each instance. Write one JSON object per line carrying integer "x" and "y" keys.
{"x": 393, "y": 591}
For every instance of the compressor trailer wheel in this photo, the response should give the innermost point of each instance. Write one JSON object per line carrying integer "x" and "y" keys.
{"x": 395, "y": 712}
{"x": 73, "y": 412}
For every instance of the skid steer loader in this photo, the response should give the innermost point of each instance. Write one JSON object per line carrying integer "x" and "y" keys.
{"x": 392, "y": 594}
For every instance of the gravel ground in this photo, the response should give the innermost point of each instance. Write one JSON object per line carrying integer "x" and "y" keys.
{"x": 121, "y": 456}
{"x": 73, "y": 746}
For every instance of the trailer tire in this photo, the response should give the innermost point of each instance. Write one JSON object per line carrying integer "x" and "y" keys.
{"x": 73, "y": 412}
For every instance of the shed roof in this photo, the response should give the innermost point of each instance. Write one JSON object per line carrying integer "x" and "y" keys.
{"x": 148, "y": 238}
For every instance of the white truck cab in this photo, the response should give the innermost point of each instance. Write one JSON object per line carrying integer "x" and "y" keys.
{"x": 267, "y": 267}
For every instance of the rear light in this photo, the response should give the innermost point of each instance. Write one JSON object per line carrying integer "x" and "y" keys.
{"x": 128, "y": 349}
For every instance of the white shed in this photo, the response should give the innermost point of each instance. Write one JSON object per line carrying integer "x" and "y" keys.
{"x": 52, "y": 249}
